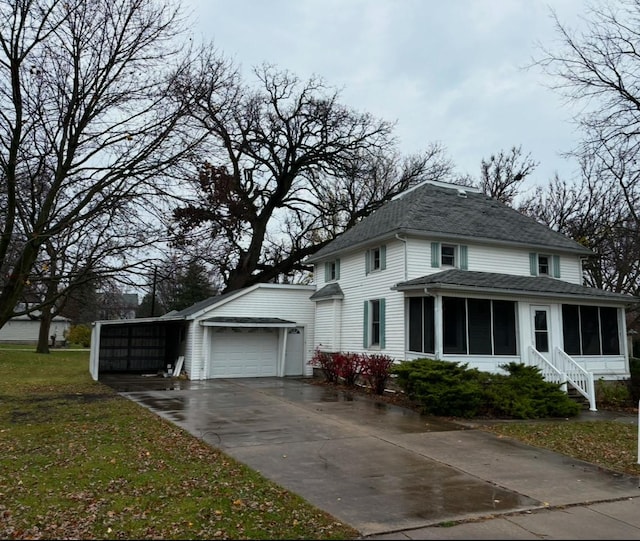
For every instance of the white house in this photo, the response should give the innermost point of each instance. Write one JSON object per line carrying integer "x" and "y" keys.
{"x": 442, "y": 271}
{"x": 25, "y": 330}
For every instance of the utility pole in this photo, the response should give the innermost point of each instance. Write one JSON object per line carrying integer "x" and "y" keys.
{"x": 153, "y": 291}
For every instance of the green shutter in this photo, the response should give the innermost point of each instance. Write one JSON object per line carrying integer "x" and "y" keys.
{"x": 533, "y": 264}
{"x": 435, "y": 254}
{"x": 556, "y": 266}
{"x": 365, "y": 325}
{"x": 326, "y": 272}
{"x": 367, "y": 262}
{"x": 382, "y": 325}
{"x": 464, "y": 257}
{"x": 337, "y": 269}
{"x": 383, "y": 257}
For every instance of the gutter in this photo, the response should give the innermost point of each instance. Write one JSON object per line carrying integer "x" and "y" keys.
{"x": 404, "y": 240}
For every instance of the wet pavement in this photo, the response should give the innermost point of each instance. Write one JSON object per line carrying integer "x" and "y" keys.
{"x": 381, "y": 468}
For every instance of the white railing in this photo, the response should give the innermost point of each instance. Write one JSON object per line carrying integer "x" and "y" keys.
{"x": 563, "y": 369}
{"x": 577, "y": 376}
{"x": 548, "y": 370}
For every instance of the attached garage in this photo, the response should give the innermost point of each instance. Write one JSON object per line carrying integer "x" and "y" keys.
{"x": 238, "y": 353}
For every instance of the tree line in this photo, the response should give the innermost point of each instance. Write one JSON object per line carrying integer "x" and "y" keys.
{"x": 128, "y": 153}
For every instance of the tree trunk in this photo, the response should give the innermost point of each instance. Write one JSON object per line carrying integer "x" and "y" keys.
{"x": 43, "y": 335}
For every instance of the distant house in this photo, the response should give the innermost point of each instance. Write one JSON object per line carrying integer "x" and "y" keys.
{"x": 118, "y": 305}
{"x": 440, "y": 271}
{"x": 25, "y": 330}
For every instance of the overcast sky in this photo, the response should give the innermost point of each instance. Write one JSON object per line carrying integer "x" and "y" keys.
{"x": 449, "y": 71}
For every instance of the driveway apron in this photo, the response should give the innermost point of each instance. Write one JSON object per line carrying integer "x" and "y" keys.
{"x": 375, "y": 466}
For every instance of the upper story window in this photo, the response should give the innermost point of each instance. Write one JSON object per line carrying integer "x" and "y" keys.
{"x": 375, "y": 259}
{"x": 544, "y": 265}
{"x": 449, "y": 255}
{"x": 332, "y": 270}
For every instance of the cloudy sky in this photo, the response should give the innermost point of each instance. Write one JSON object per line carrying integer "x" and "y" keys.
{"x": 452, "y": 71}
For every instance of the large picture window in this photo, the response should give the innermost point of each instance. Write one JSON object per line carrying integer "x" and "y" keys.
{"x": 590, "y": 330}
{"x": 478, "y": 326}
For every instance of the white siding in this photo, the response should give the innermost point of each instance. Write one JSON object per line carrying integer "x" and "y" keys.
{"x": 487, "y": 258}
{"x": 357, "y": 287}
{"x": 193, "y": 357}
{"x": 288, "y": 302}
{"x": 27, "y": 330}
{"x": 328, "y": 325}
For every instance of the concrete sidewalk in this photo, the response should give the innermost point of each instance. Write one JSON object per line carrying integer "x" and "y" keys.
{"x": 392, "y": 473}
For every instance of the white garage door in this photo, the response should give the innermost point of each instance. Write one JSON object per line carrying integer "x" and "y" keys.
{"x": 243, "y": 353}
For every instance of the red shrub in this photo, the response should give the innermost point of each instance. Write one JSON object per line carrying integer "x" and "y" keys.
{"x": 377, "y": 369}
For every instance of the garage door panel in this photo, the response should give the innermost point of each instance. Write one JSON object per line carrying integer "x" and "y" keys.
{"x": 243, "y": 353}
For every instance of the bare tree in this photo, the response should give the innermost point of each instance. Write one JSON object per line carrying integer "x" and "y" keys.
{"x": 91, "y": 120}
{"x": 502, "y": 175}
{"x": 595, "y": 214}
{"x": 109, "y": 248}
{"x": 288, "y": 169}
{"x": 597, "y": 69}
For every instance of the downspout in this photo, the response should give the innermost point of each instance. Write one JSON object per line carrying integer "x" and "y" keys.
{"x": 405, "y": 254}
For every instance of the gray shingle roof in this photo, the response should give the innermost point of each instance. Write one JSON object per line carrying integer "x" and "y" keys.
{"x": 194, "y": 308}
{"x": 439, "y": 211}
{"x": 456, "y": 279}
{"x": 329, "y": 291}
{"x": 229, "y": 320}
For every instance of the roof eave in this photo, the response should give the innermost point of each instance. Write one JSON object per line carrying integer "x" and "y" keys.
{"x": 507, "y": 291}
{"x": 436, "y": 235}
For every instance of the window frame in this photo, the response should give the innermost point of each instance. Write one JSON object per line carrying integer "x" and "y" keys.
{"x": 453, "y": 255}
{"x": 572, "y": 327}
{"x": 421, "y": 327}
{"x": 375, "y": 261}
{"x": 332, "y": 270}
{"x": 542, "y": 265}
{"x": 374, "y": 323}
{"x": 461, "y": 332}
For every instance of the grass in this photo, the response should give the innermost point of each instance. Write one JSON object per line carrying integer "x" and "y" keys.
{"x": 77, "y": 461}
{"x": 609, "y": 444}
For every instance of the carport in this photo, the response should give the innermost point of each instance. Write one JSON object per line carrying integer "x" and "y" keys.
{"x": 136, "y": 346}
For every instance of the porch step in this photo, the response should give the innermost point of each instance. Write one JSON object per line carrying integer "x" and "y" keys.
{"x": 574, "y": 395}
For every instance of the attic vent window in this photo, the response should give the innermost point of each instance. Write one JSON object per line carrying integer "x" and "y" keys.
{"x": 462, "y": 193}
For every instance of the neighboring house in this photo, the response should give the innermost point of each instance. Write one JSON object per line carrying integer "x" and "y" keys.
{"x": 440, "y": 271}
{"x": 25, "y": 330}
{"x": 117, "y": 305}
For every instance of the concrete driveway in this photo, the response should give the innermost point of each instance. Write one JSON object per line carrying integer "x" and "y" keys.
{"x": 375, "y": 466}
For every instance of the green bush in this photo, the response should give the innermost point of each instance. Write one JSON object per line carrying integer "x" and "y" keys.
{"x": 634, "y": 382}
{"x": 449, "y": 388}
{"x": 524, "y": 394}
{"x": 614, "y": 394}
{"x": 441, "y": 387}
{"x": 79, "y": 334}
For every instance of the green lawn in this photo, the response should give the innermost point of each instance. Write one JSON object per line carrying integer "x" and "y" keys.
{"x": 78, "y": 461}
